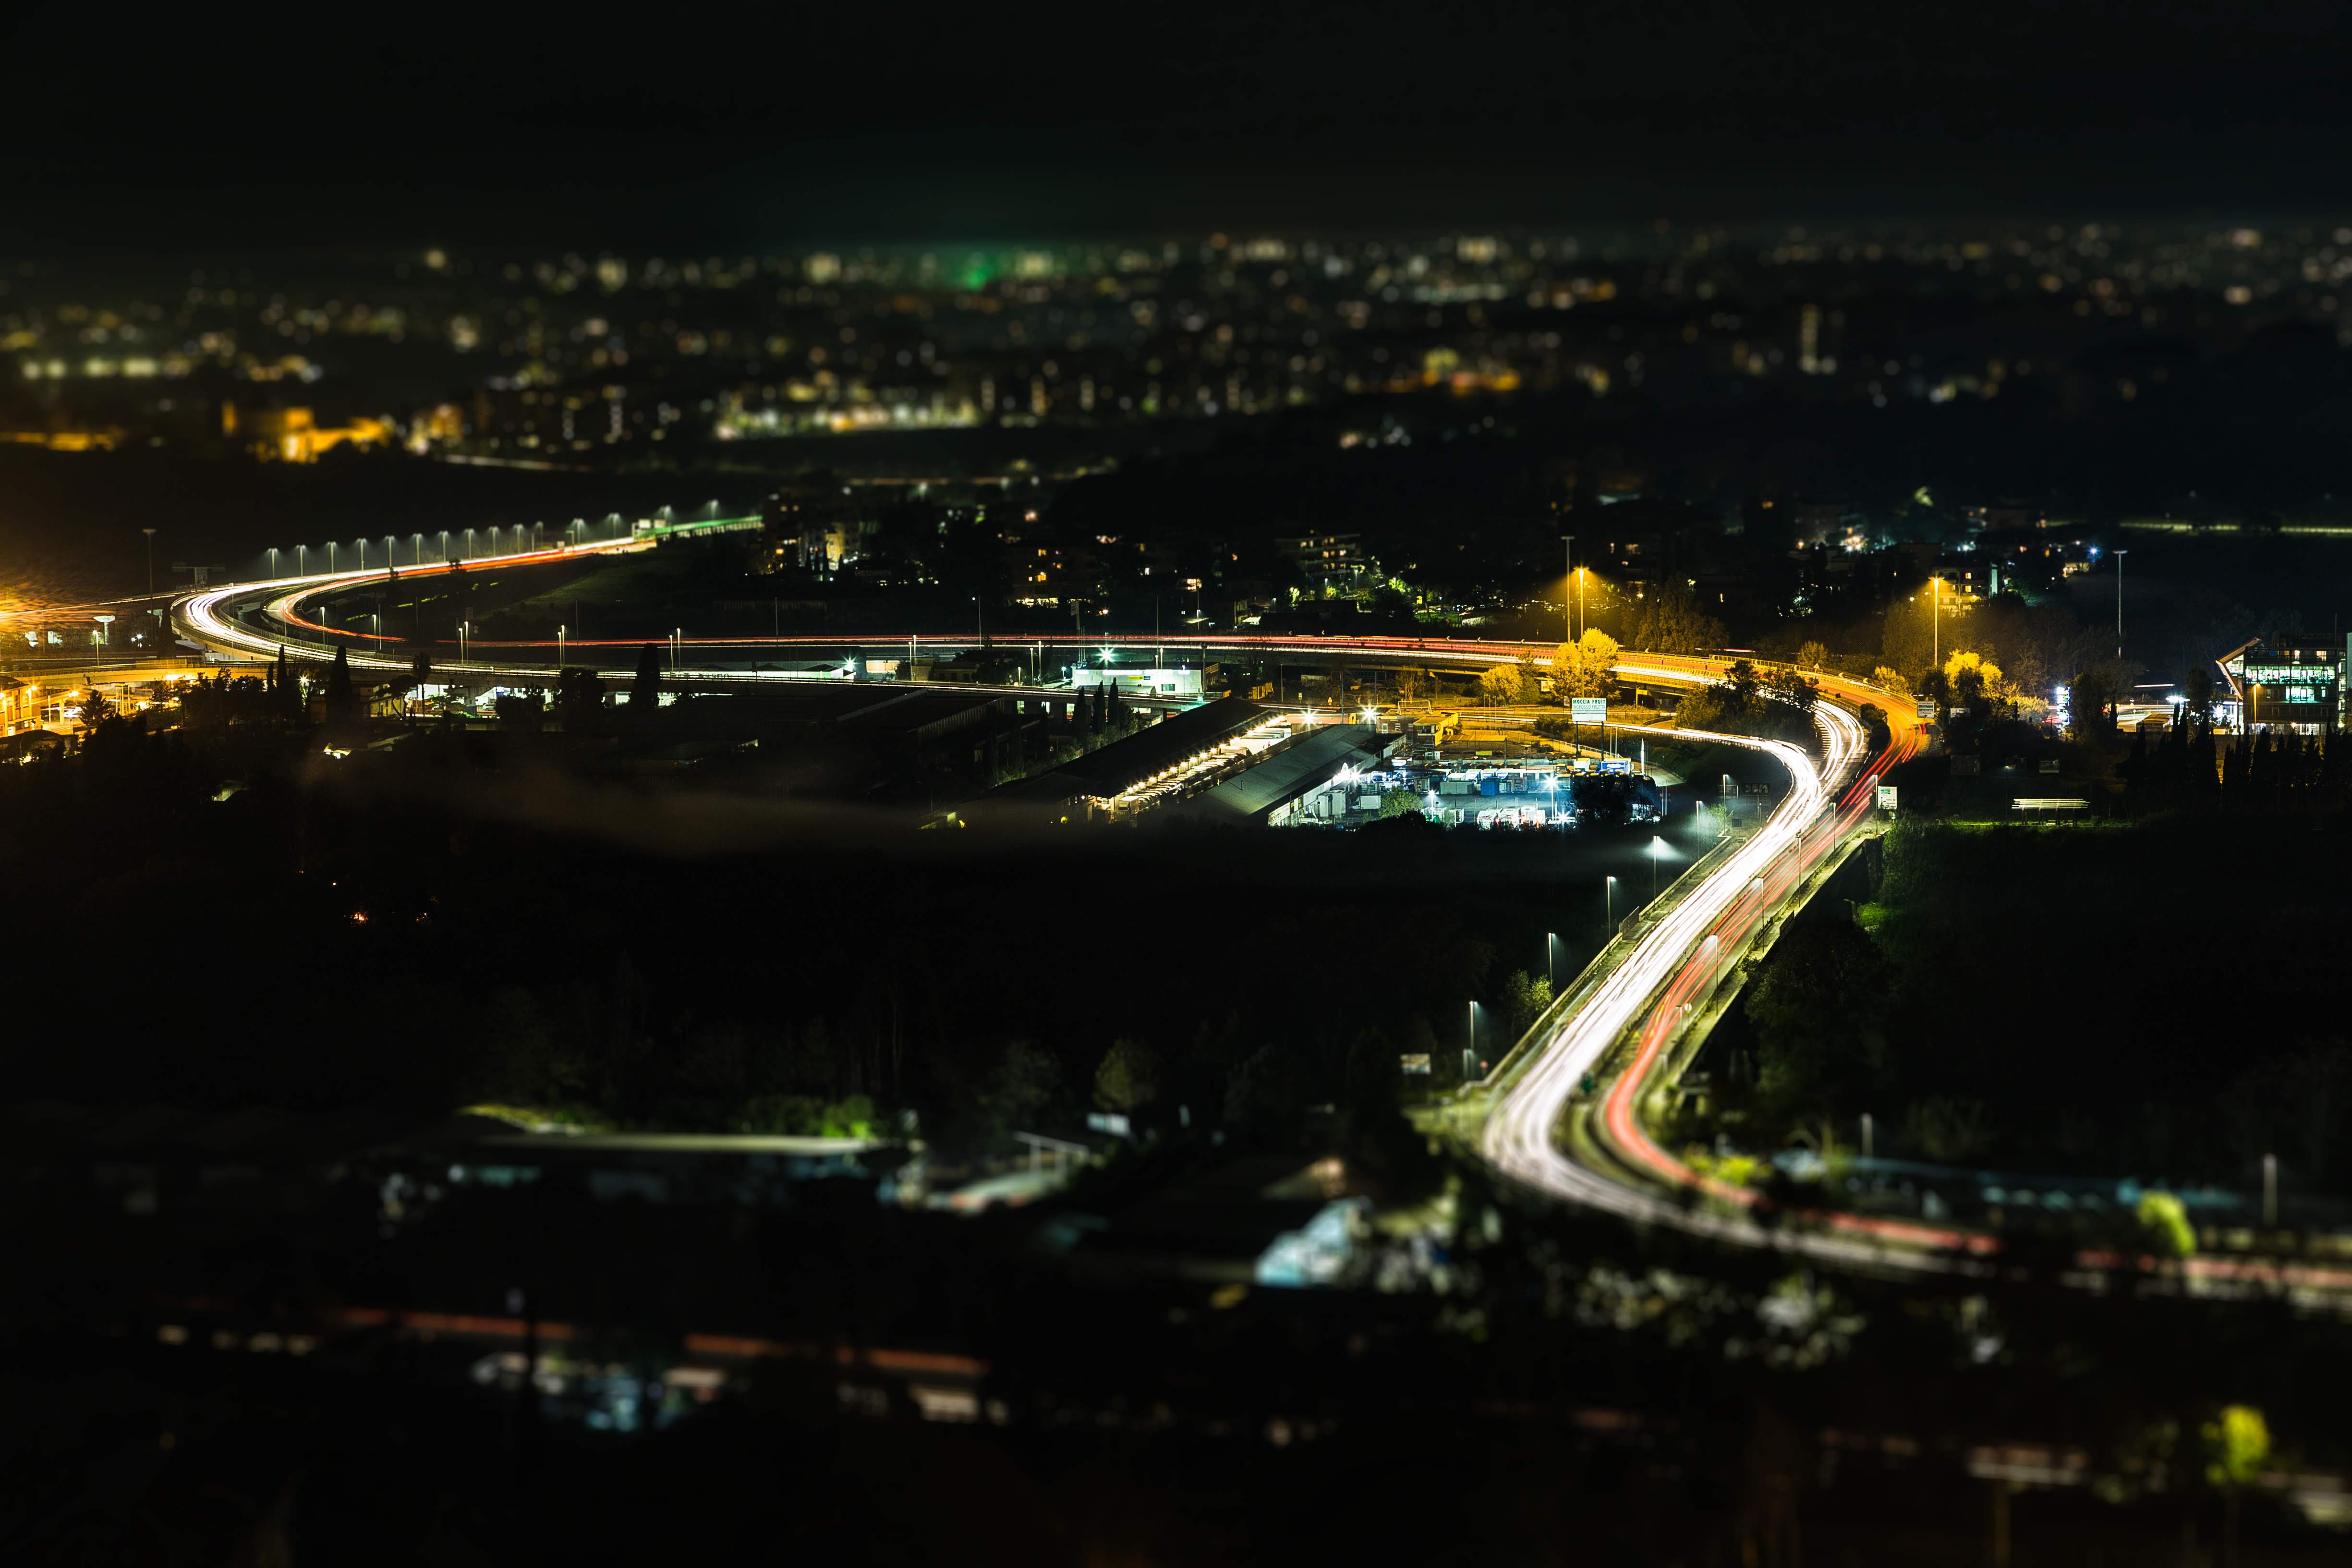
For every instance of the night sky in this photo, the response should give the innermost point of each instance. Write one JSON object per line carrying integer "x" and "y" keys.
{"x": 265, "y": 127}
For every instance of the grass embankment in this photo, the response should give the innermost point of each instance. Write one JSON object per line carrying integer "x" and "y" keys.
{"x": 2154, "y": 999}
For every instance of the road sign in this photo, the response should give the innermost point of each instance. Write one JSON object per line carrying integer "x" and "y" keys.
{"x": 1587, "y": 709}
{"x": 1926, "y": 712}
{"x": 1886, "y": 797}
{"x": 1415, "y": 1063}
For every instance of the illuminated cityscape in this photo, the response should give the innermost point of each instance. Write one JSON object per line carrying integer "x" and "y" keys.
{"x": 1457, "y": 788}
{"x": 485, "y": 355}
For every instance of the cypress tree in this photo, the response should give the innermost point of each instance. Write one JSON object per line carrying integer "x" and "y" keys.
{"x": 289, "y": 689}
{"x": 342, "y": 699}
{"x": 2204, "y": 770}
{"x": 645, "y": 692}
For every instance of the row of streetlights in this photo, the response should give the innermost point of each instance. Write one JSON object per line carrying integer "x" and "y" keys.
{"x": 1552, "y": 943}
{"x": 575, "y": 532}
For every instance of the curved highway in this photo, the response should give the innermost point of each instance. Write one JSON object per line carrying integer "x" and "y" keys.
{"x": 1617, "y": 1034}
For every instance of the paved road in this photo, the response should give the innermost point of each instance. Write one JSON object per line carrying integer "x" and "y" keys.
{"x": 1671, "y": 970}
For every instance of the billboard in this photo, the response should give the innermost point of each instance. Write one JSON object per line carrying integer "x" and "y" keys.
{"x": 1587, "y": 709}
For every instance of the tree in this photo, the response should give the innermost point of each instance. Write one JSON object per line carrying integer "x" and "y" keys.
{"x": 645, "y": 692}
{"x": 287, "y": 687}
{"x": 1401, "y": 802}
{"x": 1265, "y": 1095}
{"x": 578, "y": 699}
{"x": 1819, "y": 1007}
{"x": 2237, "y": 1447}
{"x": 1026, "y": 1080}
{"x": 1670, "y": 621}
{"x": 1501, "y": 687}
{"x": 1946, "y": 1128}
{"x": 2197, "y": 693}
{"x": 1813, "y": 654}
{"x": 1800, "y": 692}
{"x": 342, "y": 699}
{"x": 1581, "y": 668}
{"x": 1410, "y": 683}
{"x": 95, "y": 709}
{"x": 1522, "y": 1000}
{"x": 1130, "y": 1077}
{"x": 2164, "y": 1224}
{"x": 1972, "y": 678}
{"x": 521, "y": 711}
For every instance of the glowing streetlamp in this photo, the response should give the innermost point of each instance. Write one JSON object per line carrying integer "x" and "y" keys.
{"x": 1608, "y": 904}
{"x": 1568, "y": 588}
{"x": 1657, "y": 850}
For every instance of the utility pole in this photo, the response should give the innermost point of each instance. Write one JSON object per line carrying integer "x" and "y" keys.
{"x": 151, "y": 558}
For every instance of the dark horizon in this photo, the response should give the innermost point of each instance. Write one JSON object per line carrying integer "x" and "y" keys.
{"x": 840, "y": 129}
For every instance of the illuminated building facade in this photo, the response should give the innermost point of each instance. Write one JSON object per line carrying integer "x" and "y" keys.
{"x": 2288, "y": 682}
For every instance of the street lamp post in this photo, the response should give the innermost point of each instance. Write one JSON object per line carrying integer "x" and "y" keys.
{"x": 1608, "y": 906}
{"x": 151, "y": 558}
{"x": 1935, "y": 623}
{"x": 1470, "y": 1051}
{"x": 1567, "y": 586}
{"x": 1657, "y": 847}
{"x": 1551, "y": 966}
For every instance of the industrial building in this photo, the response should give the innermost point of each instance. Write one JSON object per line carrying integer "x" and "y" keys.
{"x": 1128, "y": 774}
{"x": 1316, "y": 779}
